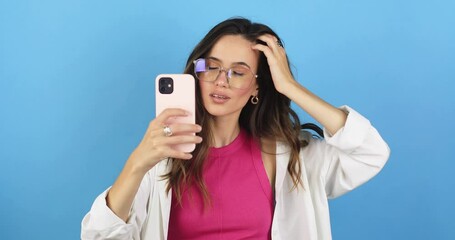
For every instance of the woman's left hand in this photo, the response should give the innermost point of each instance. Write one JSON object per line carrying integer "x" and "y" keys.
{"x": 277, "y": 60}
{"x": 330, "y": 117}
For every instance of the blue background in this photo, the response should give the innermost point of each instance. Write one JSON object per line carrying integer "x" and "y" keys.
{"x": 76, "y": 95}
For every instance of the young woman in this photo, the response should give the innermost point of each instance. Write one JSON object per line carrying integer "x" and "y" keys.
{"x": 254, "y": 174}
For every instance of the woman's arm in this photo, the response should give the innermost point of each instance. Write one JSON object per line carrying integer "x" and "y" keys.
{"x": 102, "y": 223}
{"x": 330, "y": 117}
{"x": 111, "y": 215}
{"x": 348, "y": 158}
{"x": 353, "y": 151}
{"x": 154, "y": 147}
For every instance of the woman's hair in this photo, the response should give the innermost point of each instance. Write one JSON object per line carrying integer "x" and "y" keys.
{"x": 272, "y": 118}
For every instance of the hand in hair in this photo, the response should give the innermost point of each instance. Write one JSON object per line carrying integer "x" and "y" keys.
{"x": 277, "y": 60}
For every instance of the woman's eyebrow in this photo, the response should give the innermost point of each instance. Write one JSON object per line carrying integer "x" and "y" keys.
{"x": 234, "y": 63}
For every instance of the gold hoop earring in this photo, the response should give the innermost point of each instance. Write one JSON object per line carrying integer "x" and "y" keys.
{"x": 254, "y": 100}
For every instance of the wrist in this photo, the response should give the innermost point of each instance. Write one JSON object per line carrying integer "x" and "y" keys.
{"x": 135, "y": 168}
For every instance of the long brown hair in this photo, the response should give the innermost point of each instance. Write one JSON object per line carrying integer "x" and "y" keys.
{"x": 271, "y": 118}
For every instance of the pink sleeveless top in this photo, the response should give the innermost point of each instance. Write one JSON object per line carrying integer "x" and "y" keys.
{"x": 241, "y": 195}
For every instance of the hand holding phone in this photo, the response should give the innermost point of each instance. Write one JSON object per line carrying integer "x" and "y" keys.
{"x": 177, "y": 91}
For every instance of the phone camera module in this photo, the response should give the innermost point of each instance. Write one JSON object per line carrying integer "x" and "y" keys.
{"x": 166, "y": 85}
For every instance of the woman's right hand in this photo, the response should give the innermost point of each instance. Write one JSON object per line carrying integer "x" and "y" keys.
{"x": 156, "y": 146}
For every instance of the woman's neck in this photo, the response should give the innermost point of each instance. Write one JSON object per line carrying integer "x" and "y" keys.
{"x": 224, "y": 131}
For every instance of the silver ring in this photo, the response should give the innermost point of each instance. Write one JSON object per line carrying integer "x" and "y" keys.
{"x": 278, "y": 42}
{"x": 167, "y": 131}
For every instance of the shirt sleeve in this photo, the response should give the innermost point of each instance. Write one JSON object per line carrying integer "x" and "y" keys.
{"x": 352, "y": 156}
{"x": 101, "y": 223}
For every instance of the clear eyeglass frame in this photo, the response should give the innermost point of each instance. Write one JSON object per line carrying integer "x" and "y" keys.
{"x": 229, "y": 73}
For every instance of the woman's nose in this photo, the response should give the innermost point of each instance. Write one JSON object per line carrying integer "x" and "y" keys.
{"x": 222, "y": 80}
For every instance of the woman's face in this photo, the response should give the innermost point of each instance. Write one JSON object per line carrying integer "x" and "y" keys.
{"x": 218, "y": 97}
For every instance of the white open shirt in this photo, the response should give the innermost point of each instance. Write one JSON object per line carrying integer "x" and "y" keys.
{"x": 331, "y": 167}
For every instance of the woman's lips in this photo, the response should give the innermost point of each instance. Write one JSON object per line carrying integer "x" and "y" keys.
{"x": 219, "y": 98}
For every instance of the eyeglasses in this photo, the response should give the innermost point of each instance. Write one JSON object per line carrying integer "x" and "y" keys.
{"x": 238, "y": 76}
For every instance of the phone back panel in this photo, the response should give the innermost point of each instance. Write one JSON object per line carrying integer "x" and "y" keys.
{"x": 183, "y": 96}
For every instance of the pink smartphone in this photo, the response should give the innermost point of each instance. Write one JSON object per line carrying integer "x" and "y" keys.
{"x": 177, "y": 91}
